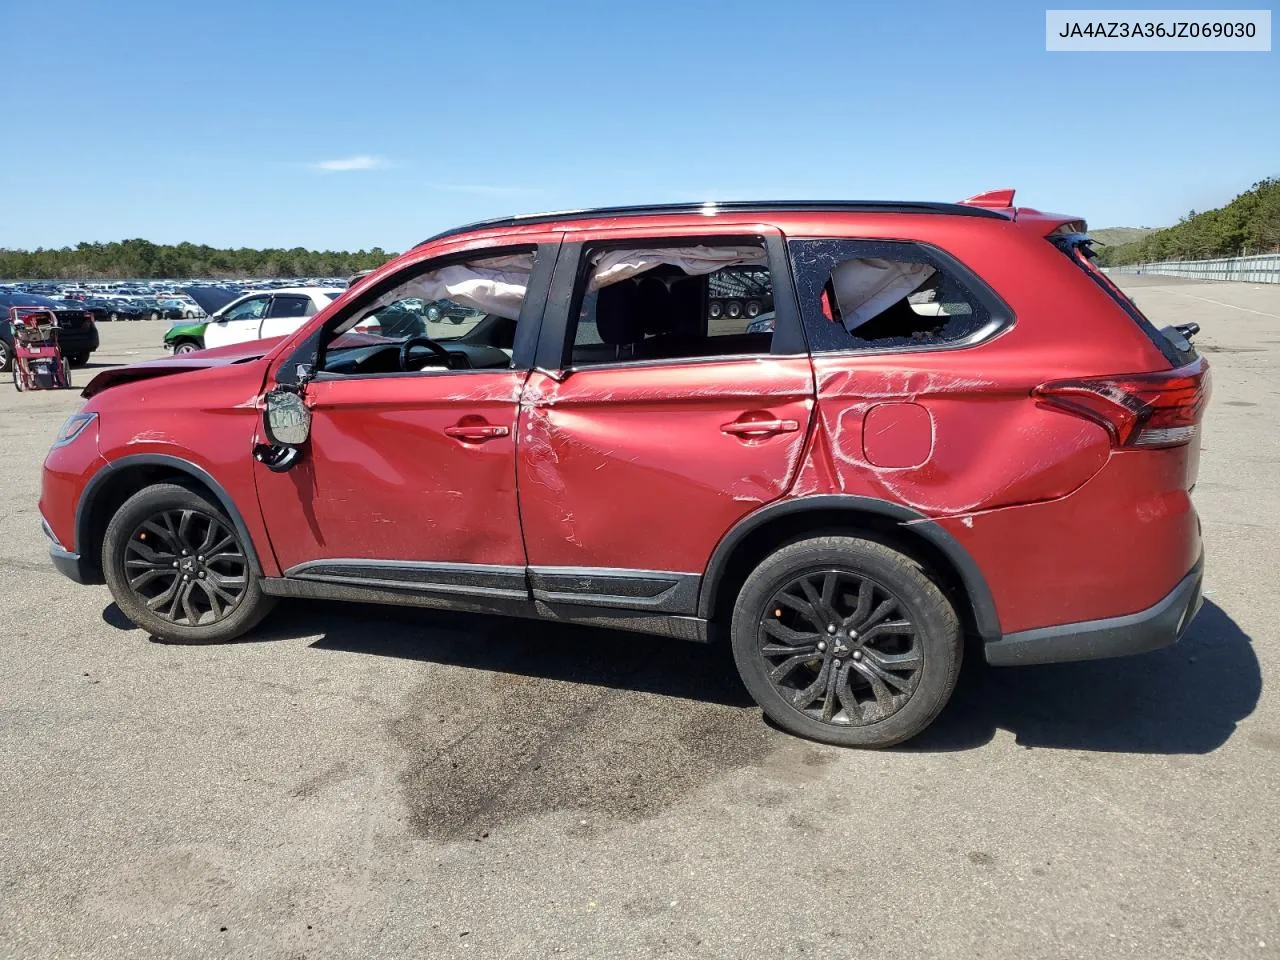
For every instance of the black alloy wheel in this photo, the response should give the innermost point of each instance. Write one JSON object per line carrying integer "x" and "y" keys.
{"x": 187, "y": 567}
{"x": 840, "y": 647}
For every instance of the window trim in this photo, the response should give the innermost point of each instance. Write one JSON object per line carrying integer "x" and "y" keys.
{"x": 528, "y": 323}
{"x": 1002, "y": 317}
{"x": 308, "y": 311}
{"x": 555, "y": 347}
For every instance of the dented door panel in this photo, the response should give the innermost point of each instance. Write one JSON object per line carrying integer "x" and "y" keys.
{"x": 384, "y": 479}
{"x": 632, "y": 467}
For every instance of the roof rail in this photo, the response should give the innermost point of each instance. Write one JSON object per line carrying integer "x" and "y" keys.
{"x": 712, "y": 208}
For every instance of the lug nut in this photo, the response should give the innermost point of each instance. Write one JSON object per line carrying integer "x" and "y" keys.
{"x": 822, "y": 646}
{"x": 857, "y": 654}
{"x": 831, "y": 628}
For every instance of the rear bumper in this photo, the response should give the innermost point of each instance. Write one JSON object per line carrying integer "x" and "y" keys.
{"x": 81, "y": 340}
{"x": 1158, "y": 626}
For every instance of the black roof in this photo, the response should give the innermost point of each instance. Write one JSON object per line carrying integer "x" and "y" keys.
{"x": 733, "y": 206}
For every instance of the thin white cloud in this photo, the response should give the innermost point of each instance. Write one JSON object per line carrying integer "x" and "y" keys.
{"x": 344, "y": 164}
{"x": 484, "y": 189}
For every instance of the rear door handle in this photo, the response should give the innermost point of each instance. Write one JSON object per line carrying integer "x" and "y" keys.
{"x": 759, "y": 428}
{"x": 476, "y": 432}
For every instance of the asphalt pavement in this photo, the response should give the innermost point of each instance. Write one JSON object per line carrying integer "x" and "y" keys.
{"x": 359, "y": 782}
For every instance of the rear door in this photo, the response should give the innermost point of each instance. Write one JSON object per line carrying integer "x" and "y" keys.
{"x": 650, "y": 427}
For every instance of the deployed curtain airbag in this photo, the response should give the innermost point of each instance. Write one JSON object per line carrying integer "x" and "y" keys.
{"x": 613, "y": 266}
{"x": 865, "y": 288}
{"x": 496, "y": 286}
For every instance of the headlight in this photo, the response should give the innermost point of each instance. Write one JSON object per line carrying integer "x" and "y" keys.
{"x": 72, "y": 427}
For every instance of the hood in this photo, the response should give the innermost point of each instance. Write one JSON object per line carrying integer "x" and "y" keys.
{"x": 212, "y": 299}
{"x": 185, "y": 363}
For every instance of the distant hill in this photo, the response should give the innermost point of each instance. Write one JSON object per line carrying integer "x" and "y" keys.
{"x": 1114, "y": 236}
{"x": 1248, "y": 224}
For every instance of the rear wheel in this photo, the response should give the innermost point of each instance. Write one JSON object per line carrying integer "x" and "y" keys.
{"x": 6, "y": 357}
{"x": 154, "y": 315}
{"x": 17, "y": 379}
{"x": 178, "y": 568}
{"x": 78, "y": 359}
{"x": 846, "y": 641}
{"x": 114, "y": 317}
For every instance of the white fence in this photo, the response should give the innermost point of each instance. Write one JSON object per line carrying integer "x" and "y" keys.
{"x": 1264, "y": 268}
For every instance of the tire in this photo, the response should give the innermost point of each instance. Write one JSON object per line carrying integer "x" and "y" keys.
{"x": 17, "y": 379}
{"x": 124, "y": 541}
{"x": 154, "y": 315}
{"x": 78, "y": 359}
{"x": 189, "y": 315}
{"x": 66, "y": 373}
{"x": 923, "y": 661}
{"x": 733, "y": 309}
{"x": 6, "y": 357}
{"x": 433, "y": 313}
{"x": 185, "y": 346}
{"x": 115, "y": 317}
{"x": 753, "y": 309}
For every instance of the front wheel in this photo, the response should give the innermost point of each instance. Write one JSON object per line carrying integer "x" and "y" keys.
{"x": 78, "y": 359}
{"x": 6, "y": 357}
{"x": 185, "y": 346}
{"x": 178, "y": 568}
{"x": 846, "y": 641}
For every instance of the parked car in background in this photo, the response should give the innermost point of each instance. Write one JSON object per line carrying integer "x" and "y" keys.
{"x": 122, "y": 309}
{"x": 266, "y": 313}
{"x": 77, "y": 332}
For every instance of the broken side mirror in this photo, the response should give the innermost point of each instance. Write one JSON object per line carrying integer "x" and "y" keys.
{"x": 286, "y": 421}
{"x": 285, "y": 418}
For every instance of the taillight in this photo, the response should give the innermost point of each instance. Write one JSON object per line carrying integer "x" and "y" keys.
{"x": 1143, "y": 410}
{"x": 89, "y": 318}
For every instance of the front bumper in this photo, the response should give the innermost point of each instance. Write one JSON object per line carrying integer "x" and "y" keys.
{"x": 69, "y": 564}
{"x": 1158, "y": 626}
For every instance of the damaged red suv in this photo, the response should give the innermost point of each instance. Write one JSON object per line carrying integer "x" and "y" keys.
{"x": 922, "y": 423}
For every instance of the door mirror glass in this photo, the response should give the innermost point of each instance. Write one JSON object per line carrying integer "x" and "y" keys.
{"x": 286, "y": 419}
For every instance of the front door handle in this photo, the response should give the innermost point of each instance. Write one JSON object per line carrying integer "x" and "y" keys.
{"x": 759, "y": 428}
{"x": 476, "y": 432}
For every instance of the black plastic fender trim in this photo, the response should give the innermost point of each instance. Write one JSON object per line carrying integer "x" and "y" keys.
{"x": 975, "y": 584}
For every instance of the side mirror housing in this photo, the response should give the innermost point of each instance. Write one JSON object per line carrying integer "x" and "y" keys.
{"x": 285, "y": 418}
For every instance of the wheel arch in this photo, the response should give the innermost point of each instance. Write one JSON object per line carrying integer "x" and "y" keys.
{"x": 115, "y": 483}
{"x": 757, "y": 535}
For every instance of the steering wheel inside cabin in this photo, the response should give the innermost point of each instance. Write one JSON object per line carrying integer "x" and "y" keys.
{"x": 409, "y": 344}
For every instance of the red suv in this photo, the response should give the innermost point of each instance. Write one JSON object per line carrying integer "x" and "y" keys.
{"x": 946, "y": 424}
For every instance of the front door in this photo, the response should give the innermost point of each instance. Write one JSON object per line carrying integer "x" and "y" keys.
{"x": 408, "y": 478}
{"x": 674, "y": 399}
{"x": 240, "y": 323}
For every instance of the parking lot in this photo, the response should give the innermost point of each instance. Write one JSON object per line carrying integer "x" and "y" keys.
{"x": 362, "y": 782}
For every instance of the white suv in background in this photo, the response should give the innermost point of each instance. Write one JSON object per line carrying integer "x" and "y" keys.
{"x": 266, "y": 313}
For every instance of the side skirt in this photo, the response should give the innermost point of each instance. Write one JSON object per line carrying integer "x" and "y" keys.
{"x": 498, "y": 603}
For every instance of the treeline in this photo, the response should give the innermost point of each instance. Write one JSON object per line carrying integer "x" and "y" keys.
{"x": 1247, "y": 225}
{"x": 130, "y": 259}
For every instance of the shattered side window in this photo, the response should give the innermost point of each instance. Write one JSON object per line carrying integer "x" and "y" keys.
{"x": 875, "y": 295}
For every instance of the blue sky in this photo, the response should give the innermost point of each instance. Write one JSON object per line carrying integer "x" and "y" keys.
{"x": 214, "y": 122}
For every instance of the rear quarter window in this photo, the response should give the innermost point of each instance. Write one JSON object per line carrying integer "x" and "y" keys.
{"x": 873, "y": 295}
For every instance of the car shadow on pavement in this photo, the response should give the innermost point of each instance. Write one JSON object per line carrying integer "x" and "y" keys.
{"x": 532, "y": 648}
{"x": 1187, "y": 698}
